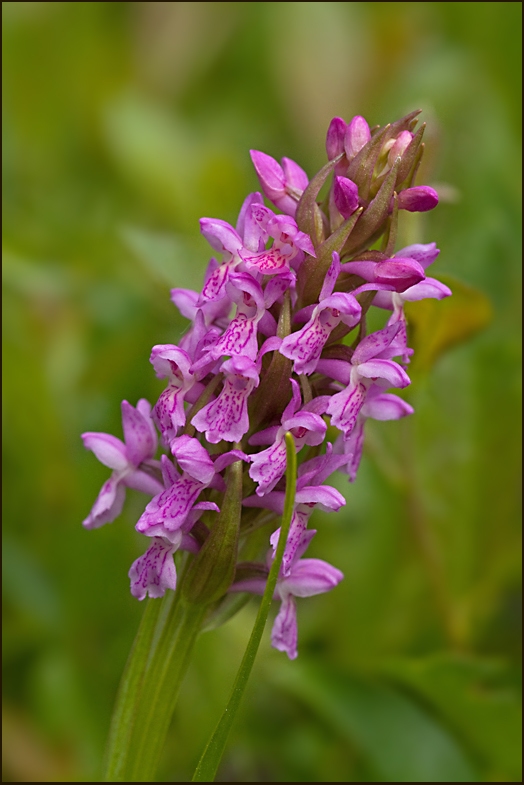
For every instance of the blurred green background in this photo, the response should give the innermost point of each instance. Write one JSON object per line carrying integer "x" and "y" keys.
{"x": 123, "y": 124}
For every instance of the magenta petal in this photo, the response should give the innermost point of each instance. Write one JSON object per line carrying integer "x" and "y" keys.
{"x": 345, "y": 193}
{"x": 311, "y": 576}
{"x": 108, "y": 504}
{"x": 284, "y": 632}
{"x": 137, "y": 434}
{"x": 388, "y": 370}
{"x": 270, "y": 174}
{"x": 193, "y": 458}
{"x": 170, "y": 508}
{"x": 357, "y": 135}
{"x": 108, "y": 449}
{"x": 430, "y": 287}
{"x": 141, "y": 481}
{"x": 335, "y": 138}
{"x": 399, "y": 272}
{"x": 252, "y": 199}
{"x": 325, "y": 496}
{"x": 418, "y": 200}
{"x": 424, "y": 254}
{"x": 268, "y": 466}
{"x": 345, "y": 406}
{"x": 154, "y": 572}
{"x": 295, "y": 176}
{"x": 331, "y": 277}
{"x": 220, "y": 235}
{"x": 386, "y": 407}
{"x": 186, "y": 301}
{"x": 375, "y": 343}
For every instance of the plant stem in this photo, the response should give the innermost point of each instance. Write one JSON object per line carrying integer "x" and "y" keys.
{"x": 150, "y": 685}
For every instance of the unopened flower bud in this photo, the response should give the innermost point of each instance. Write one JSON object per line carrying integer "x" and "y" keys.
{"x": 399, "y": 272}
{"x": 398, "y": 148}
{"x": 345, "y": 193}
{"x": 418, "y": 200}
{"x": 335, "y": 138}
{"x": 357, "y": 135}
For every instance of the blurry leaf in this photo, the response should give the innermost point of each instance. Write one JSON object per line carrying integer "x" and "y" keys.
{"x": 152, "y": 148}
{"x": 28, "y": 587}
{"x": 479, "y": 698}
{"x": 436, "y": 325}
{"x": 400, "y": 741}
{"x": 166, "y": 257}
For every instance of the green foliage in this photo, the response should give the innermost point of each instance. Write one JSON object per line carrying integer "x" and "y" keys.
{"x": 123, "y": 124}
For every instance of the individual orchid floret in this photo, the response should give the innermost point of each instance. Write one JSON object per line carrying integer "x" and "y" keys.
{"x": 268, "y": 466}
{"x": 345, "y": 194}
{"x": 154, "y": 572}
{"x": 250, "y": 224}
{"x": 370, "y": 363}
{"x": 174, "y": 363}
{"x": 304, "y": 578}
{"x": 305, "y": 346}
{"x": 282, "y": 185}
{"x": 128, "y": 462}
{"x": 357, "y": 136}
{"x": 223, "y": 238}
{"x": 240, "y": 337}
{"x": 396, "y": 148}
{"x": 398, "y": 273}
{"x": 379, "y": 406}
{"x": 310, "y": 494}
{"x": 335, "y": 137}
{"x": 226, "y": 418}
{"x": 429, "y": 287}
{"x": 418, "y": 200}
{"x": 167, "y": 512}
{"x": 287, "y": 251}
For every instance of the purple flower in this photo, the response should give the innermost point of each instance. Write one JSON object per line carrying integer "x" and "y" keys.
{"x": 398, "y": 273}
{"x": 125, "y": 460}
{"x": 357, "y": 135}
{"x": 303, "y": 578}
{"x": 309, "y": 495}
{"x": 223, "y": 238}
{"x": 418, "y": 200}
{"x": 305, "y": 346}
{"x": 240, "y": 337}
{"x": 175, "y": 364}
{"x": 287, "y": 250}
{"x": 379, "y": 406}
{"x": 282, "y": 185}
{"x": 429, "y": 287}
{"x": 370, "y": 363}
{"x": 335, "y": 138}
{"x": 168, "y": 511}
{"x": 268, "y": 466}
{"x": 226, "y": 417}
{"x": 345, "y": 194}
{"x": 154, "y": 572}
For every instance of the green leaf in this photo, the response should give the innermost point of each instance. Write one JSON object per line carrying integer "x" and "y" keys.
{"x": 436, "y": 325}
{"x": 478, "y": 698}
{"x": 399, "y": 740}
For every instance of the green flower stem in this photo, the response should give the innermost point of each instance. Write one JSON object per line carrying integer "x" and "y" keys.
{"x": 212, "y": 755}
{"x": 150, "y": 685}
{"x": 124, "y": 713}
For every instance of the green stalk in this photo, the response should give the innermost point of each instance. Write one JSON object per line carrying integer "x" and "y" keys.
{"x": 212, "y": 755}
{"x": 150, "y": 685}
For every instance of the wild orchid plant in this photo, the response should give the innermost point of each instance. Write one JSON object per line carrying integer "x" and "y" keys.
{"x": 263, "y": 369}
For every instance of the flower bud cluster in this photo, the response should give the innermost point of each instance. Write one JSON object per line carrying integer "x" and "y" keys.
{"x": 266, "y": 354}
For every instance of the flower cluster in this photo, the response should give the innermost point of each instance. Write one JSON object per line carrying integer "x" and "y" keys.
{"x": 268, "y": 353}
